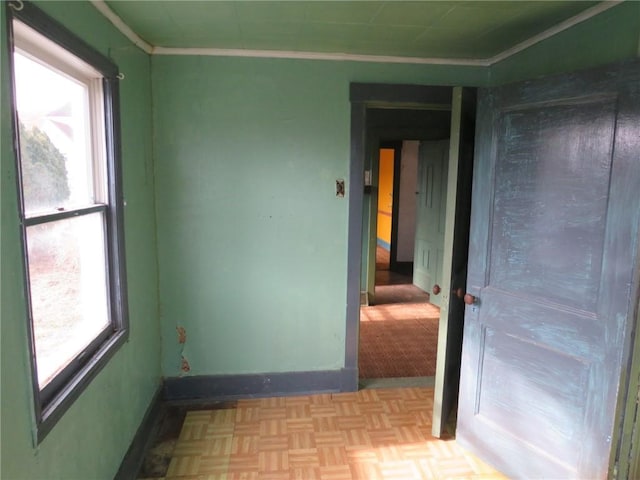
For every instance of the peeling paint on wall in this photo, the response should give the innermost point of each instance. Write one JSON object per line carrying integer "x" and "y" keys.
{"x": 182, "y": 335}
{"x": 184, "y": 364}
{"x": 185, "y": 367}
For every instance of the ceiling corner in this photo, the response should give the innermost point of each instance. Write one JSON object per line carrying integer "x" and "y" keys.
{"x": 127, "y": 31}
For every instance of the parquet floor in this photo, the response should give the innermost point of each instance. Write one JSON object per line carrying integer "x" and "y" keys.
{"x": 367, "y": 435}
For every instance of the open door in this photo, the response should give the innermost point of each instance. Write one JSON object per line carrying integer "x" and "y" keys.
{"x": 456, "y": 217}
{"x": 431, "y": 194}
{"x": 553, "y": 248}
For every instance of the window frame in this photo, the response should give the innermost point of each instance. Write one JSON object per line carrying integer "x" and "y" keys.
{"x": 52, "y": 401}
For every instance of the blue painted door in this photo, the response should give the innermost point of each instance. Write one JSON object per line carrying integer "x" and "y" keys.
{"x": 431, "y": 184}
{"x": 553, "y": 249}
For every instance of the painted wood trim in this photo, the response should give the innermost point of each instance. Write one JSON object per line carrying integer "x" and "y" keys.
{"x": 625, "y": 462}
{"x": 335, "y": 57}
{"x": 228, "y": 387}
{"x": 354, "y": 239}
{"x": 132, "y": 461}
{"x": 52, "y": 29}
{"x": 395, "y": 215}
{"x": 125, "y": 29}
{"x": 362, "y": 96}
{"x": 374, "y": 94}
{"x": 370, "y": 230}
{"x": 439, "y": 413}
{"x": 383, "y": 244}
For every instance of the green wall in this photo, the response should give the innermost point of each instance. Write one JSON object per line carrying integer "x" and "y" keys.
{"x": 608, "y": 37}
{"x": 94, "y": 434}
{"x": 252, "y": 241}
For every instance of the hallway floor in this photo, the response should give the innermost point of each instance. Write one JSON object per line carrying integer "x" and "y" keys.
{"x": 371, "y": 434}
{"x": 399, "y": 334}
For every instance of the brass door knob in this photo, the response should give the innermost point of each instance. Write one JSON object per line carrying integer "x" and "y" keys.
{"x": 470, "y": 299}
{"x": 436, "y": 289}
{"x": 459, "y": 292}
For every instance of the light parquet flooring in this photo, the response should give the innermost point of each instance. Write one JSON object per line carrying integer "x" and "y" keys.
{"x": 367, "y": 435}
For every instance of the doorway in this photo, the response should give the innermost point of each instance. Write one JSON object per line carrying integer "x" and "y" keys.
{"x": 398, "y": 326}
{"x": 381, "y": 112}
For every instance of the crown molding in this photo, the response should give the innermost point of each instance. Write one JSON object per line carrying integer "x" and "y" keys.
{"x": 340, "y": 57}
{"x": 103, "y": 8}
{"x": 115, "y": 19}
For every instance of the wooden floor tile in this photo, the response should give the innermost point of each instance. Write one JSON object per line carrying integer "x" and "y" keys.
{"x": 322, "y": 410}
{"x": 273, "y": 461}
{"x": 273, "y": 442}
{"x": 400, "y": 470}
{"x": 336, "y": 472}
{"x": 248, "y": 414}
{"x": 332, "y": 455}
{"x": 368, "y": 470}
{"x": 181, "y": 466}
{"x": 304, "y": 473}
{"x": 245, "y": 444}
{"x": 304, "y": 457}
{"x": 301, "y": 440}
{"x": 273, "y": 427}
{"x": 299, "y": 425}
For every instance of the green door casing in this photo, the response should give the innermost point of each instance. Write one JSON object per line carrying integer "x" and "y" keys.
{"x": 431, "y": 194}
{"x": 457, "y": 211}
{"x": 553, "y": 250}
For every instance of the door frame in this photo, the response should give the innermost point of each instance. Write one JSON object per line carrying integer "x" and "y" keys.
{"x": 365, "y": 96}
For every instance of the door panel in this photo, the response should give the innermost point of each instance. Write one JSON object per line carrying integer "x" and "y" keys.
{"x": 552, "y": 253}
{"x": 430, "y": 216}
{"x": 541, "y": 169}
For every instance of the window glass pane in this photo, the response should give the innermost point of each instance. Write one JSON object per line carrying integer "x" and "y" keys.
{"x": 55, "y": 145}
{"x": 68, "y": 289}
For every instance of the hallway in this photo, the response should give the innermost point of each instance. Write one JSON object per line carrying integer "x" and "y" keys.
{"x": 399, "y": 334}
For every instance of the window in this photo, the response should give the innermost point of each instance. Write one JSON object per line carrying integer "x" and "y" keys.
{"x": 66, "y": 125}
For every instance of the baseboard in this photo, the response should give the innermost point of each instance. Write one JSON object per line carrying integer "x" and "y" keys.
{"x": 230, "y": 387}
{"x": 402, "y": 267}
{"x": 364, "y": 299}
{"x": 132, "y": 461}
{"x": 350, "y": 377}
{"x": 381, "y": 243}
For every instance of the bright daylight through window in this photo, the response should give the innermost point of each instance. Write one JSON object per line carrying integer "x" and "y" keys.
{"x": 69, "y": 181}
{"x": 66, "y": 257}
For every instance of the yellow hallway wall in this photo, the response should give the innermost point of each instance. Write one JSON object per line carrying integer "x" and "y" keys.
{"x": 385, "y": 196}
